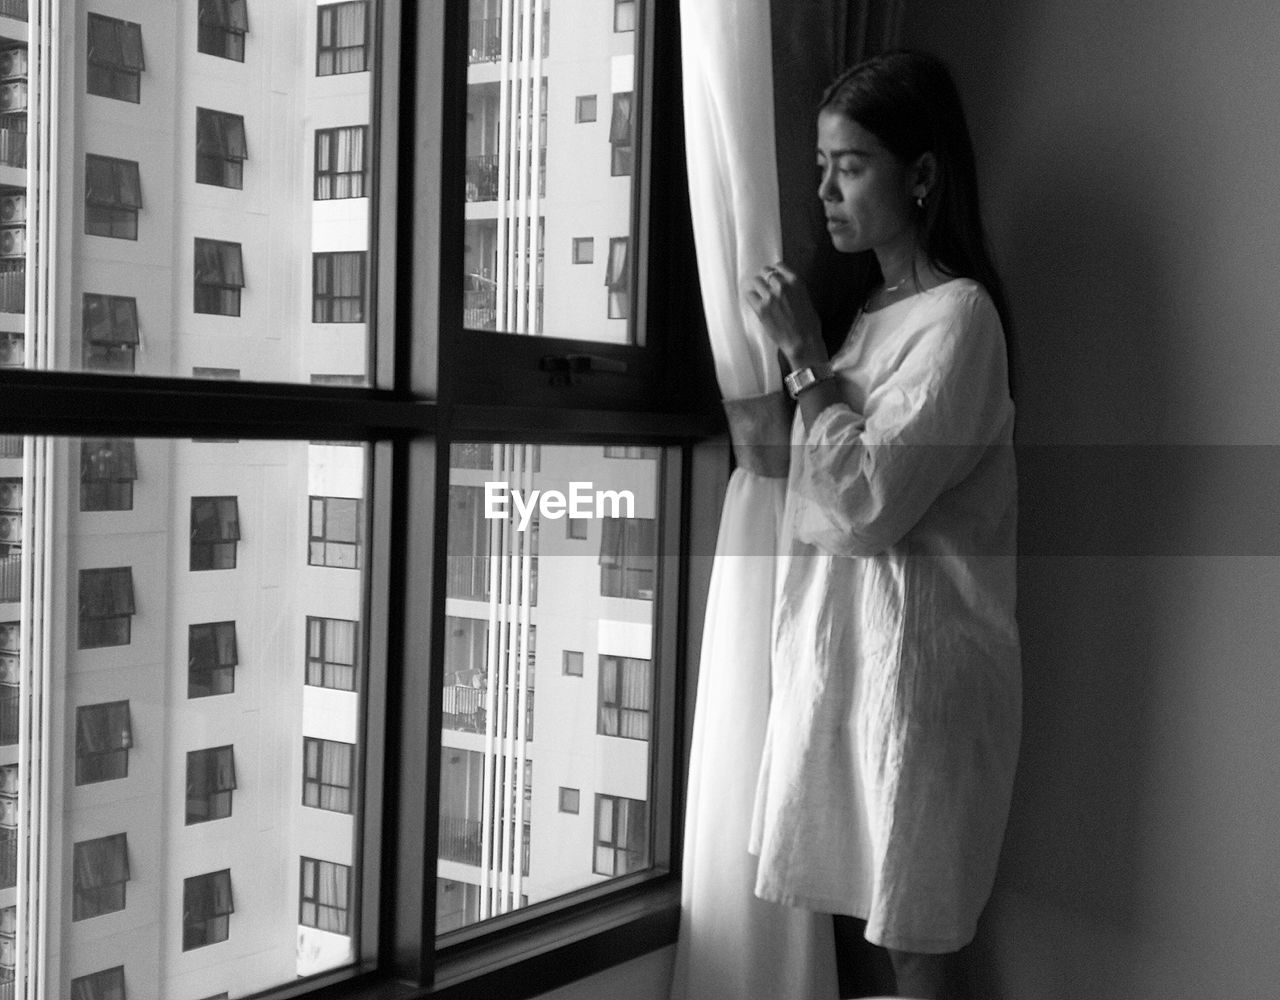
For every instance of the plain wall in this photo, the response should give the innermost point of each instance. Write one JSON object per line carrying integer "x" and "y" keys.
{"x": 1128, "y": 153}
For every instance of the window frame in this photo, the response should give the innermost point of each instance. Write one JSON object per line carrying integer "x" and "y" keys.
{"x": 107, "y": 895}
{"x": 105, "y": 984}
{"x": 110, "y": 625}
{"x": 230, "y": 283}
{"x": 664, "y": 398}
{"x": 119, "y": 320}
{"x": 329, "y": 176}
{"x": 109, "y": 74}
{"x": 218, "y": 35}
{"x": 219, "y": 797}
{"x": 221, "y": 673}
{"x": 314, "y": 899}
{"x": 336, "y": 50}
{"x": 215, "y": 925}
{"x": 320, "y": 666}
{"x": 314, "y": 784}
{"x": 113, "y": 758}
{"x": 221, "y": 148}
{"x": 106, "y": 484}
{"x": 327, "y": 305}
{"x": 112, "y": 214}
{"x": 221, "y": 550}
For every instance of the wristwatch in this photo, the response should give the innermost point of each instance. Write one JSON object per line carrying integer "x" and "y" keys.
{"x": 806, "y": 378}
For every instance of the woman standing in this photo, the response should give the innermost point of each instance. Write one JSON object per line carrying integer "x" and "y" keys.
{"x": 894, "y": 724}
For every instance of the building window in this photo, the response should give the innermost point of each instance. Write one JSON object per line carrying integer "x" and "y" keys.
{"x": 585, "y": 108}
{"x": 212, "y": 657}
{"x": 584, "y": 250}
{"x": 624, "y": 15}
{"x": 628, "y": 557}
{"x": 106, "y": 607}
{"x": 328, "y": 774}
{"x": 103, "y": 738}
{"x": 215, "y": 530}
{"x": 622, "y": 835}
{"x": 342, "y": 162}
{"x": 110, "y": 332}
{"x": 112, "y": 197}
{"x": 626, "y": 697}
{"x": 570, "y": 799}
{"x": 342, "y": 38}
{"x": 221, "y": 148}
{"x": 101, "y": 869}
{"x": 630, "y": 451}
{"x": 571, "y": 664}
{"x": 325, "y": 898}
{"x": 115, "y": 58}
{"x": 338, "y": 287}
{"x": 211, "y": 778}
{"x": 219, "y": 277}
{"x": 620, "y": 135}
{"x": 617, "y": 278}
{"x": 206, "y": 909}
{"x": 335, "y": 532}
{"x": 105, "y": 985}
{"x": 332, "y": 652}
{"x": 222, "y": 27}
{"x": 108, "y": 469}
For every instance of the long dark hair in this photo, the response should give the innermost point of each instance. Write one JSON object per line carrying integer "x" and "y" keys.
{"x": 909, "y": 101}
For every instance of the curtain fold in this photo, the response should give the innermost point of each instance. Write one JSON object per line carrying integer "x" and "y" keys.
{"x": 733, "y": 946}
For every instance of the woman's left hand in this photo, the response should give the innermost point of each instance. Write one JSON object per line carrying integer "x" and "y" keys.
{"x": 781, "y": 302}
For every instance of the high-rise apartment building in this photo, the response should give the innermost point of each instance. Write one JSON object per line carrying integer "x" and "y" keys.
{"x": 181, "y": 641}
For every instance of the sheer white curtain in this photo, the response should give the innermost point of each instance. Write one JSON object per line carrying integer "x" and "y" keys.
{"x": 733, "y": 946}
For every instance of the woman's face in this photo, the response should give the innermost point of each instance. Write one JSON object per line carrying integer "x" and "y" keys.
{"x": 865, "y": 189}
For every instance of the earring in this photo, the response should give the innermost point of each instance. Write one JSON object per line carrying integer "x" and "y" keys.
{"x": 919, "y": 201}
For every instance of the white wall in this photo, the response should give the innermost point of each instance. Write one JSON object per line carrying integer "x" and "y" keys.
{"x": 1128, "y": 153}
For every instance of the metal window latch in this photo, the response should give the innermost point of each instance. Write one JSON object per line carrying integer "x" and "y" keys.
{"x": 563, "y": 367}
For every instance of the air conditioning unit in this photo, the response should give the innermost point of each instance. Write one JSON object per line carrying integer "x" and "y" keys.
{"x": 13, "y": 96}
{"x": 10, "y": 636}
{"x": 11, "y": 352}
{"x": 11, "y": 494}
{"x": 8, "y": 811}
{"x": 13, "y": 209}
{"x": 8, "y": 786}
{"x": 10, "y": 529}
{"x": 13, "y": 242}
{"x": 8, "y": 668}
{"x": 13, "y": 62}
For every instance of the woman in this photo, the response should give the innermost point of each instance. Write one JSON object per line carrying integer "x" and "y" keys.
{"x": 894, "y": 724}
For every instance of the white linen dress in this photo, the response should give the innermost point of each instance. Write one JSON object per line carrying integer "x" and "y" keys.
{"x": 896, "y": 706}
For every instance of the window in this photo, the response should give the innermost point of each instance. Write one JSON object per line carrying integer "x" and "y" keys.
{"x": 338, "y": 287}
{"x": 342, "y": 162}
{"x": 628, "y": 557}
{"x": 618, "y": 279}
{"x": 222, "y": 27}
{"x": 571, "y": 665}
{"x": 569, "y": 800}
{"x": 103, "y": 739}
{"x": 342, "y": 38}
{"x": 215, "y": 530}
{"x": 332, "y": 652}
{"x": 211, "y": 659}
{"x": 630, "y": 451}
{"x": 626, "y": 696}
{"x": 620, "y": 136}
{"x": 584, "y": 250}
{"x": 624, "y": 15}
{"x": 223, "y": 374}
{"x": 115, "y": 58}
{"x": 622, "y": 835}
{"x": 211, "y": 778}
{"x": 328, "y": 774}
{"x": 206, "y": 909}
{"x": 112, "y": 197}
{"x": 335, "y": 532}
{"x": 585, "y": 108}
{"x": 101, "y": 869}
{"x": 108, "y": 470}
{"x": 221, "y": 148}
{"x": 106, "y": 607}
{"x": 110, "y": 332}
{"x": 219, "y": 277}
{"x": 325, "y": 897}
{"x": 105, "y": 985}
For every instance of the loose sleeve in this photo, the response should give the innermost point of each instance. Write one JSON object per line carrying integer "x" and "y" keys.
{"x": 867, "y": 478}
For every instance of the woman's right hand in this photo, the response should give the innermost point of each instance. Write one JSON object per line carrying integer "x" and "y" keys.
{"x": 779, "y": 299}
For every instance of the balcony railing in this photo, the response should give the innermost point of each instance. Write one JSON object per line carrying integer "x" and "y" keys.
{"x": 10, "y": 446}
{"x": 16, "y": 9}
{"x": 13, "y": 286}
{"x": 486, "y": 38}
{"x": 10, "y": 578}
{"x": 460, "y": 839}
{"x": 13, "y": 147}
{"x": 482, "y": 177}
{"x": 8, "y": 733}
{"x": 8, "y": 858}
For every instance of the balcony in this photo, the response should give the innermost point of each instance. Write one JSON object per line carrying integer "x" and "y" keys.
{"x": 8, "y": 738}
{"x": 13, "y": 147}
{"x": 10, "y": 578}
{"x": 10, "y": 446}
{"x": 486, "y": 38}
{"x": 459, "y": 839}
{"x": 482, "y": 177}
{"x": 8, "y": 858}
{"x": 13, "y": 286}
{"x": 16, "y": 9}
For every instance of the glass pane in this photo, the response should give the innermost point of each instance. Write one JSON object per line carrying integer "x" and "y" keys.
{"x": 197, "y": 723}
{"x": 539, "y": 801}
{"x": 207, "y": 230}
{"x": 551, "y": 124}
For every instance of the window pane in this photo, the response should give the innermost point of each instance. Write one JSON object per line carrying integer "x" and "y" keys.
{"x": 546, "y": 171}
{"x": 173, "y": 161}
{"x": 182, "y": 744}
{"x": 518, "y": 820}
